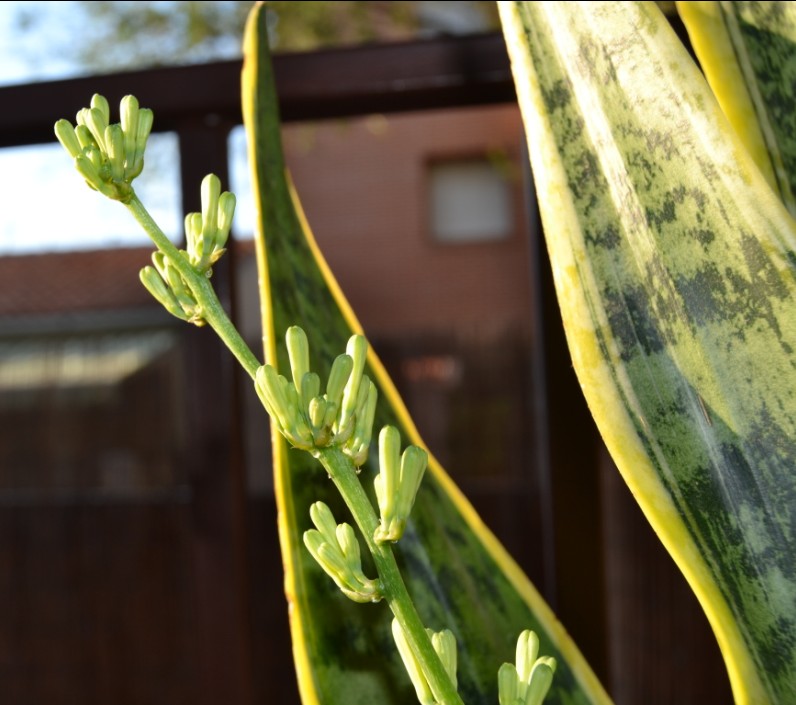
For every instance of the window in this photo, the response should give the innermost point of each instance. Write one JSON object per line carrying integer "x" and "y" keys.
{"x": 49, "y": 207}
{"x": 90, "y": 413}
{"x": 470, "y": 201}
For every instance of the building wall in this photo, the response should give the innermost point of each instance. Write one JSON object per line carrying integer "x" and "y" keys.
{"x": 364, "y": 186}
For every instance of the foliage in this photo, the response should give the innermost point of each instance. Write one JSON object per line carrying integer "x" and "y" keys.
{"x": 451, "y": 569}
{"x": 673, "y": 260}
{"x": 144, "y": 33}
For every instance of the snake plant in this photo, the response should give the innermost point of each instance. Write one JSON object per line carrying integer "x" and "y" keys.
{"x": 674, "y": 267}
{"x": 673, "y": 254}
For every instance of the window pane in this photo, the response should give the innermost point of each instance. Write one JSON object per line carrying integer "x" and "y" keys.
{"x": 90, "y": 413}
{"x": 470, "y": 201}
{"x": 49, "y": 207}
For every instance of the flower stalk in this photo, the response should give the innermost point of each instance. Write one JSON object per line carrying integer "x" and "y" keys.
{"x": 334, "y": 426}
{"x": 293, "y": 406}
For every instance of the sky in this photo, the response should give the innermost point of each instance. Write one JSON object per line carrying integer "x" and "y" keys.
{"x": 18, "y": 51}
{"x": 47, "y": 206}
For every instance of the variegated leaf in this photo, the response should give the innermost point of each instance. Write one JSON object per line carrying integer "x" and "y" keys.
{"x": 459, "y": 575}
{"x": 674, "y": 268}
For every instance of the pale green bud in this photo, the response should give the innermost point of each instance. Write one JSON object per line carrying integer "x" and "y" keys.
{"x": 207, "y": 232}
{"x": 155, "y": 285}
{"x": 540, "y": 681}
{"x": 396, "y": 484}
{"x": 262, "y": 387}
{"x": 179, "y": 287}
{"x": 114, "y": 138}
{"x": 83, "y": 135}
{"x": 356, "y": 349}
{"x": 357, "y": 446}
{"x": 508, "y": 685}
{"x": 65, "y": 133}
{"x": 100, "y": 104}
{"x": 226, "y": 211}
{"x": 330, "y": 416}
{"x": 413, "y": 465}
{"x": 444, "y": 644}
{"x": 211, "y": 190}
{"x": 298, "y": 431}
{"x": 270, "y": 391}
{"x": 324, "y": 521}
{"x": 317, "y": 416}
{"x": 389, "y": 466}
{"x": 527, "y": 651}
{"x": 412, "y": 665}
{"x": 89, "y": 171}
{"x": 193, "y": 237}
{"x": 527, "y": 682}
{"x": 152, "y": 280}
{"x": 128, "y": 113}
{"x": 336, "y": 550}
{"x": 135, "y": 162}
{"x": 178, "y": 300}
{"x": 328, "y": 556}
{"x": 94, "y": 155}
{"x": 298, "y": 350}
{"x": 338, "y": 376}
{"x": 95, "y": 121}
{"x": 146, "y": 119}
{"x": 310, "y": 388}
{"x": 88, "y": 168}
{"x": 281, "y": 402}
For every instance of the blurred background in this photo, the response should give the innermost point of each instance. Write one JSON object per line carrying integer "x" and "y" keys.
{"x": 139, "y": 560}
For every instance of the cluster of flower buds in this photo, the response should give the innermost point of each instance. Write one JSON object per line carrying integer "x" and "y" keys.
{"x": 397, "y": 483}
{"x": 526, "y": 683}
{"x": 309, "y": 420}
{"x": 108, "y": 156}
{"x": 206, "y": 233}
{"x": 166, "y": 284}
{"x": 334, "y": 546}
{"x": 444, "y": 644}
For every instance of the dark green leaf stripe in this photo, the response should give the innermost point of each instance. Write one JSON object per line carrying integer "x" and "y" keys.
{"x": 459, "y": 575}
{"x": 748, "y": 53}
{"x": 674, "y": 270}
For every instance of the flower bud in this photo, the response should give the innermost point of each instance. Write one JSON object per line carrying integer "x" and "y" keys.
{"x": 527, "y": 682}
{"x": 336, "y": 549}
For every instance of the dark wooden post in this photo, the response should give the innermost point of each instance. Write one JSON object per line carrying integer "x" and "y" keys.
{"x": 567, "y": 474}
{"x": 217, "y": 473}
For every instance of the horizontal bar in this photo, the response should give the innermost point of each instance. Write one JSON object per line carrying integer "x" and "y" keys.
{"x": 419, "y": 75}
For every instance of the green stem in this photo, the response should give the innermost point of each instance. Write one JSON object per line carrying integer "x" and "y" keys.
{"x": 212, "y": 310}
{"x": 344, "y": 476}
{"x": 339, "y": 467}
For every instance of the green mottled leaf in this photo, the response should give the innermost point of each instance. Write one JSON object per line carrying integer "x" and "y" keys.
{"x": 674, "y": 269}
{"x": 748, "y": 53}
{"x": 459, "y": 575}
